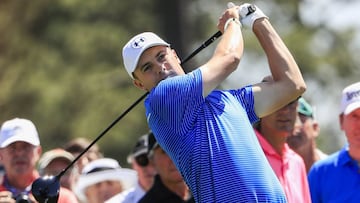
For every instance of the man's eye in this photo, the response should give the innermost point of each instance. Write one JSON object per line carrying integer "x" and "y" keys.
{"x": 146, "y": 68}
{"x": 161, "y": 57}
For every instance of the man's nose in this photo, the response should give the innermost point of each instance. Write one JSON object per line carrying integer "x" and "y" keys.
{"x": 161, "y": 68}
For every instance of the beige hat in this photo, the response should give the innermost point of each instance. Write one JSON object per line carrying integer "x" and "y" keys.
{"x": 53, "y": 154}
{"x": 136, "y": 46}
{"x": 18, "y": 129}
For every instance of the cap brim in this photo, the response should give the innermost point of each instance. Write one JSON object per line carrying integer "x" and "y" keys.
{"x": 19, "y": 138}
{"x": 351, "y": 107}
{"x": 45, "y": 161}
{"x": 139, "y": 152}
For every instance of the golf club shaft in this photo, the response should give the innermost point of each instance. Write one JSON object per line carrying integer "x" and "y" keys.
{"x": 203, "y": 45}
{"x": 102, "y": 134}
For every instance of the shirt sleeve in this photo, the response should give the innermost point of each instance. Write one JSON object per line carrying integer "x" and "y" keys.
{"x": 246, "y": 98}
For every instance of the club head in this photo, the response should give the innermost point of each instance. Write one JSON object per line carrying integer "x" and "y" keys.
{"x": 46, "y": 189}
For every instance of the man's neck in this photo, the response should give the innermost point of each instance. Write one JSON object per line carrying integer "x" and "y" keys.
{"x": 276, "y": 140}
{"x": 179, "y": 188}
{"x": 21, "y": 182}
{"x": 354, "y": 152}
{"x": 309, "y": 154}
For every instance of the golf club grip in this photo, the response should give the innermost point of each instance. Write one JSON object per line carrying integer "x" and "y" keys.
{"x": 251, "y": 9}
{"x": 202, "y": 46}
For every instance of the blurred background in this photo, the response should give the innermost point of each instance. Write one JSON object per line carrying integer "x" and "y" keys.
{"x": 61, "y": 63}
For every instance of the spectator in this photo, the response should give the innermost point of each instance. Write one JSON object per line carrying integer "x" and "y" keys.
{"x": 169, "y": 185}
{"x": 145, "y": 171}
{"x": 19, "y": 152}
{"x": 272, "y": 132}
{"x": 208, "y": 132}
{"x": 336, "y": 178}
{"x": 53, "y": 162}
{"x": 77, "y": 145}
{"x": 303, "y": 138}
{"x": 103, "y": 178}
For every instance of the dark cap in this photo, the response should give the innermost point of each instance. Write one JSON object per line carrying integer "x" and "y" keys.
{"x": 141, "y": 147}
{"x": 304, "y": 108}
{"x": 152, "y": 143}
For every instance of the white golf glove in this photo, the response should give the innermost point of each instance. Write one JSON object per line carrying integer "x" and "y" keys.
{"x": 249, "y": 13}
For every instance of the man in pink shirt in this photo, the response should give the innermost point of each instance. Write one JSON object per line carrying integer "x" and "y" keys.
{"x": 272, "y": 132}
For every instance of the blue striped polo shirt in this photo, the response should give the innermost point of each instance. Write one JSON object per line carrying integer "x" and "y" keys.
{"x": 211, "y": 140}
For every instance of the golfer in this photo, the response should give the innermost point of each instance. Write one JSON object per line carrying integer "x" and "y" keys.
{"x": 208, "y": 132}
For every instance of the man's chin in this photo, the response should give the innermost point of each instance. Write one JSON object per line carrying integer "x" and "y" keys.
{"x": 294, "y": 143}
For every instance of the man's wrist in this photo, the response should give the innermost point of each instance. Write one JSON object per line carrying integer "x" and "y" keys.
{"x": 260, "y": 23}
{"x": 231, "y": 20}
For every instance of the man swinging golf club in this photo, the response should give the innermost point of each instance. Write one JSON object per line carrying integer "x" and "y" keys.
{"x": 207, "y": 132}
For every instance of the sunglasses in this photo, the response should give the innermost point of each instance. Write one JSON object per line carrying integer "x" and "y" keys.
{"x": 142, "y": 160}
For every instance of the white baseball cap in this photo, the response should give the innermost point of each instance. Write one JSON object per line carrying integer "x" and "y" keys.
{"x": 18, "y": 129}
{"x": 350, "y": 98}
{"x": 136, "y": 46}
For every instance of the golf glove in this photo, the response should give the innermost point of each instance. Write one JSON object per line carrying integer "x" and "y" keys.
{"x": 249, "y": 13}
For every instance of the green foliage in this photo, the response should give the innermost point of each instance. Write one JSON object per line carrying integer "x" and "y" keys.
{"x": 61, "y": 66}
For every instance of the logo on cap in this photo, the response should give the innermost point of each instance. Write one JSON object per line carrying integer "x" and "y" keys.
{"x": 351, "y": 95}
{"x": 139, "y": 42}
{"x": 350, "y": 98}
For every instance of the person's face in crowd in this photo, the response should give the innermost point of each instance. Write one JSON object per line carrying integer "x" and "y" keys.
{"x": 306, "y": 129}
{"x": 85, "y": 159}
{"x": 102, "y": 191}
{"x": 281, "y": 121}
{"x": 156, "y": 64}
{"x": 55, "y": 167}
{"x": 165, "y": 167}
{"x": 20, "y": 158}
{"x": 145, "y": 171}
{"x": 350, "y": 124}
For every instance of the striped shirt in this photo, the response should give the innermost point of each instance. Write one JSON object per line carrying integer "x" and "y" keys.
{"x": 211, "y": 140}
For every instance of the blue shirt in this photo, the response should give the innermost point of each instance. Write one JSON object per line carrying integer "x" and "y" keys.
{"x": 211, "y": 141}
{"x": 335, "y": 179}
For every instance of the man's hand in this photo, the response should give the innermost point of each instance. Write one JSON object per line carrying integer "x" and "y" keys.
{"x": 249, "y": 13}
{"x": 6, "y": 197}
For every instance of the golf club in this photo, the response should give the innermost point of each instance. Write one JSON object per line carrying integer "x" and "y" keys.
{"x": 46, "y": 189}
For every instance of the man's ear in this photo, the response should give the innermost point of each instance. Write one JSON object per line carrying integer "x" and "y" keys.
{"x": 139, "y": 84}
{"x": 341, "y": 120}
{"x": 176, "y": 56}
{"x": 316, "y": 128}
{"x": 38, "y": 151}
